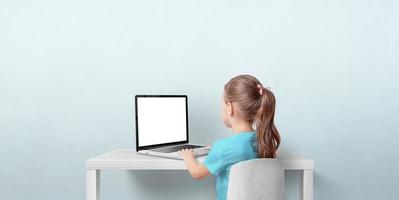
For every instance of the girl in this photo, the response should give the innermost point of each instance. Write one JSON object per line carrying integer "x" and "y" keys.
{"x": 248, "y": 109}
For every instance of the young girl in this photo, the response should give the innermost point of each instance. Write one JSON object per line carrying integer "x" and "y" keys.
{"x": 248, "y": 109}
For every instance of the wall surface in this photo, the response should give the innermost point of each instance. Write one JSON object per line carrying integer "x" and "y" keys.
{"x": 69, "y": 71}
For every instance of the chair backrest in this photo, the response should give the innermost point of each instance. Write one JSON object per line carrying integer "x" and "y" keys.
{"x": 257, "y": 179}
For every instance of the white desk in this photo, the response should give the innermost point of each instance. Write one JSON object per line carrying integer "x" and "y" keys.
{"x": 124, "y": 159}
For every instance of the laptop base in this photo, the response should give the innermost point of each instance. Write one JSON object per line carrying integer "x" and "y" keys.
{"x": 202, "y": 151}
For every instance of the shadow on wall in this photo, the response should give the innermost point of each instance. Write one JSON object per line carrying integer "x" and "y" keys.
{"x": 321, "y": 185}
{"x": 326, "y": 188}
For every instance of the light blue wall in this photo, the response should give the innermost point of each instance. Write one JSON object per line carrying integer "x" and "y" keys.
{"x": 69, "y": 70}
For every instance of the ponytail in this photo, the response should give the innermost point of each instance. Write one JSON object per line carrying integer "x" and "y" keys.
{"x": 267, "y": 135}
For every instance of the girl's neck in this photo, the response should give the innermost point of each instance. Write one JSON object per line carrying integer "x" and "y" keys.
{"x": 242, "y": 127}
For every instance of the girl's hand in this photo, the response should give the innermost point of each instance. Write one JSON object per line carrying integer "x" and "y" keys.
{"x": 197, "y": 171}
{"x": 187, "y": 154}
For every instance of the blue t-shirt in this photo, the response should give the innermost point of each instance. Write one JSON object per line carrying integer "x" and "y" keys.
{"x": 225, "y": 153}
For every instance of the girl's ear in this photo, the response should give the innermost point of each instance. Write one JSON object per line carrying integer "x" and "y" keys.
{"x": 230, "y": 109}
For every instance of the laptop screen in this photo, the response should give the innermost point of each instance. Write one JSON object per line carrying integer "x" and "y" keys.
{"x": 160, "y": 119}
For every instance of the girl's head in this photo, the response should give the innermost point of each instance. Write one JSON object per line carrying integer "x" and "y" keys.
{"x": 254, "y": 104}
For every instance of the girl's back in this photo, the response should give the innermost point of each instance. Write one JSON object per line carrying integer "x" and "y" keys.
{"x": 227, "y": 152}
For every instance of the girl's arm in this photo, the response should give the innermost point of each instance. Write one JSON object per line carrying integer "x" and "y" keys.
{"x": 197, "y": 171}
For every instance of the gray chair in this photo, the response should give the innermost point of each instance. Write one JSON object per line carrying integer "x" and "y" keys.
{"x": 257, "y": 179}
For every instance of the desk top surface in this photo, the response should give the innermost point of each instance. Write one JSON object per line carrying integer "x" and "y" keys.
{"x": 130, "y": 160}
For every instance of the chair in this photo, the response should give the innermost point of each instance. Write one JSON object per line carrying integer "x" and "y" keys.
{"x": 256, "y": 179}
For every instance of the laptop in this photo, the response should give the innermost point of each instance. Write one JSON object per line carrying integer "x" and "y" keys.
{"x": 162, "y": 126}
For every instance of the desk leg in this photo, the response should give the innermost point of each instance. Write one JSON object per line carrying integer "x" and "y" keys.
{"x": 307, "y": 184}
{"x": 92, "y": 184}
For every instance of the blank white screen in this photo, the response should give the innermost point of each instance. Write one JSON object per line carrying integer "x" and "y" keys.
{"x": 161, "y": 120}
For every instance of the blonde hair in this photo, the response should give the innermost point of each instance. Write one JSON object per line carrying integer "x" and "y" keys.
{"x": 257, "y": 106}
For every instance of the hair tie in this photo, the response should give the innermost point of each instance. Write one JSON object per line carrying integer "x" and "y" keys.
{"x": 260, "y": 89}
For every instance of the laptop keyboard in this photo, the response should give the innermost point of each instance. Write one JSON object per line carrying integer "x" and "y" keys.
{"x": 176, "y": 148}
